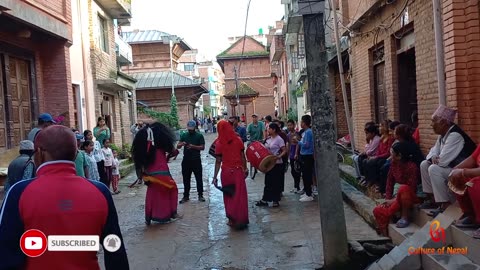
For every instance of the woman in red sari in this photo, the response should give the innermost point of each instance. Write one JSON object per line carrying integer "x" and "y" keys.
{"x": 149, "y": 150}
{"x": 404, "y": 172}
{"x": 465, "y": 182}
{"x": 231, "y": 158}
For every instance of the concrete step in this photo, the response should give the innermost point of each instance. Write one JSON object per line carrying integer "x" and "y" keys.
{"x": 447, "y": 262}
{"x": 420, "y": 216}
{"x": 398, "y": 235}
{"x": 463, "y": 238}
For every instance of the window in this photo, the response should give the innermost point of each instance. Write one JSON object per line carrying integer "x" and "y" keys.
{"x": 294, "y": 60}
{"x": 76, "y": 91}
{"x": 301, "y": 45}
{"x": 189, "y": 67}
{"x": 103, "y": 34}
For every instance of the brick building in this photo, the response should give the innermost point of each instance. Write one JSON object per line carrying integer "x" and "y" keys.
{"x": 152, "y": 68}
{"x": 279, "y": 70}
{"x": 34, "y": 67}
{"x": 254, "y": 71}
{"x": 393, "y": 63}
{"x": 114, "y": 90}
{"x": 154, "y": 90}
{"x": 98, "y": 52}
{"x": 393, "y": 66}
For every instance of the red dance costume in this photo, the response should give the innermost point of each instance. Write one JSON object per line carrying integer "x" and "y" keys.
{"x": 162, "y": 193}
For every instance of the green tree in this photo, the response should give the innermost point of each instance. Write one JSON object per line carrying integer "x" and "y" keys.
{"x": 174, "y": 111}
{"x": 207, "y": 110}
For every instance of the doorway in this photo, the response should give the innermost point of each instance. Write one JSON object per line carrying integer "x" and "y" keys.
{"x": 380, "y": 95}
{"x": 15, "y": 100}
{"x": 407, "y": 85}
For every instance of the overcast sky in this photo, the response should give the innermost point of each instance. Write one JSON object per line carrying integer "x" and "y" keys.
{"x": 205, "y": 24}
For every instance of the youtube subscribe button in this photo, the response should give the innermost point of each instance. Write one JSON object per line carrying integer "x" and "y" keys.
{"x": 73, "y": 243}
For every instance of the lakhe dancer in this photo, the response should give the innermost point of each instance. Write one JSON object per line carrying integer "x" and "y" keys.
{"x": 149, "y": 150}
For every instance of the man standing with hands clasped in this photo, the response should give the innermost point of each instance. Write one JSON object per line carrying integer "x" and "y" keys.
{"x": 193, "y": 143}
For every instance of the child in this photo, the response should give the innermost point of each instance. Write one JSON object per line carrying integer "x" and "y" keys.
{"x": 107, "y": 152}
{"x": 87, "y": 147}
{"x": 404, "y": 172}
{"x": 115, "y": 173}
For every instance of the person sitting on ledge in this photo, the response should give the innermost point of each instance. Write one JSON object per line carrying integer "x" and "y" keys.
{"x": 452, "y": 147}
{"x": 403, "y": 174}
{"x": 465, "y": 182}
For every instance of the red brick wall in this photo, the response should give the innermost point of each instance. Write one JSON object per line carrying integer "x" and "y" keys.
{"x": 57, "y": 96}
{"x": 255, "y": 73}
{"x": 250, "y": 46}
{"x": 52, "y": 70}
{"x": 159, "y": 99}
{"x": 420, "y": 13}
{"x": 55, "y": 8}
{"x": 462, "y": 60}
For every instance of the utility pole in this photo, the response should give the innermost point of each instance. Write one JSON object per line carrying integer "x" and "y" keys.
{"x": 342, "y": 78}
{"x": 332, "y": 216}
{"x": 236, "y": 90}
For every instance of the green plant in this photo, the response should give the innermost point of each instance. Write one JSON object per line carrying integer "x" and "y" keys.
{"x": 292, "y": 114}
{"x": 174, "y": 112}
{"x": 207, "y": 110}
{"x": 124, "y": 152}
{"x": 162, "y": 117}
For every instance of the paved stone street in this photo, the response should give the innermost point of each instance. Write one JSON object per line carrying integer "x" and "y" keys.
{"x": 287, "y": 237}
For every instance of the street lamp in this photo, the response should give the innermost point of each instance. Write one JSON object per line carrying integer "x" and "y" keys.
{"x": 171, "y": 66}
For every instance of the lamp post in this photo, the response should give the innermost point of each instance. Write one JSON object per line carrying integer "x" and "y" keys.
{"x": 171, "y": 66}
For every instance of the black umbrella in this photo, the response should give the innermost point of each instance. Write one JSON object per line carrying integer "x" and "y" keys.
{"x": 229, "y": 190}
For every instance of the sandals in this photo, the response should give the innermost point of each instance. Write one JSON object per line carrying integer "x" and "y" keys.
{"x": 402, "y": 223}
{"x": 435, "y": 212}
{"x": 476, "y": 234}
{"x": 466, "y": 222}
{"x": 261, "y": 203}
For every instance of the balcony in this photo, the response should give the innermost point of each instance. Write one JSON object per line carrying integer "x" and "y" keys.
{"x": 275, "y": 69}
{"x": 277, "y": 48}
{"x": 117, "y": 9}
{"x": 124, "y": 51}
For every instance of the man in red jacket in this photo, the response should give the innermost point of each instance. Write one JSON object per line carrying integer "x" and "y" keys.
{"x": 58, "y": 202}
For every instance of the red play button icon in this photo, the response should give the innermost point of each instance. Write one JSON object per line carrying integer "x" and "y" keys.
{"x": 33, "y": 243}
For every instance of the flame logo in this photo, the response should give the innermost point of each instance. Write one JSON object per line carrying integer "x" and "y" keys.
{"x": 437, "y": 233}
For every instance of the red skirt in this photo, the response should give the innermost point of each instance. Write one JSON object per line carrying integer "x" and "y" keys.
{"x": 236, "y": 206}
{"x": 470, "y": 201}
{"x": 406, "y": 196}
{"x": 160, "y": 202}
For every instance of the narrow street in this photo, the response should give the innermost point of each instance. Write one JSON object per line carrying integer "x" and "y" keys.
{"x": 288, "y": 237}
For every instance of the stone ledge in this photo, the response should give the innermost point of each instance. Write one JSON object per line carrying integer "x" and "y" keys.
{"x": 362, "y": 204}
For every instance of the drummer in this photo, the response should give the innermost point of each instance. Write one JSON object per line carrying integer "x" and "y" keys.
{"x": 276, "y": 146}
{"x": 468, "y": 172}
{"x": 255, "y": 129}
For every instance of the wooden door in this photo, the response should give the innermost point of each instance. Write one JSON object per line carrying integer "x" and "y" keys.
{"x": 20, "y": 98}
{"x": 380, "y": 93}
{"x": 3, "y": 122}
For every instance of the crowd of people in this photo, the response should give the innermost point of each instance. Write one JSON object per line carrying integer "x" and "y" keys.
{"x": 94, "y": 160}
{"x": 392, "y": 163}
{"x": 60, "y": 185}
{"x": 395, "y": 167}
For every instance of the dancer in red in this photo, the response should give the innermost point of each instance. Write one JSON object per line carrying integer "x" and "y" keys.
{"x": 405, "y": 173}
{"x": 230, "y": 156}
{"x": 150, "y": 148}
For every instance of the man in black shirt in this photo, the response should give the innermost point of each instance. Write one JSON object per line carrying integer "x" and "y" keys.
{"x": 193, "y": 143}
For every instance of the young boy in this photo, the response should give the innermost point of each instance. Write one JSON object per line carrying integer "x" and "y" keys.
{"x": 115, "y": 173}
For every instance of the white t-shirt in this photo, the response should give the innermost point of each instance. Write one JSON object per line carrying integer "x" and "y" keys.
{"x": 116, "y": 165}
{"x": 108, "y": 154}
